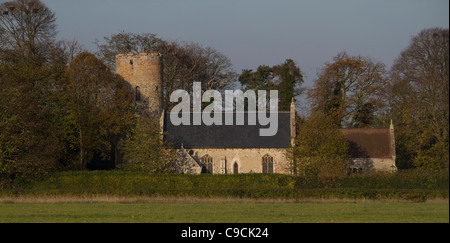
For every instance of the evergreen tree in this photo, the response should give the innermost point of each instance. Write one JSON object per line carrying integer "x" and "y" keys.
{"x": 287, "y": 78}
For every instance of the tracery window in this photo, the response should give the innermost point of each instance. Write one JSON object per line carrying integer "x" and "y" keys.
{"x": 207, "y": 162}
{"x": 267, "y": 164}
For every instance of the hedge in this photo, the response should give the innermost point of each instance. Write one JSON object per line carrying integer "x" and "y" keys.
{"x": 409, "y": 185}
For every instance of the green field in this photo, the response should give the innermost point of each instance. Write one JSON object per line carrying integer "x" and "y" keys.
{"x": 228, "y": 212}
{"x": 120, "y": 196}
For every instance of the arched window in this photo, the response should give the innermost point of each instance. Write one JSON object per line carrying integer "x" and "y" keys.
{"x": 138, "y": 94}
{"x": 235, "y": 168}
{"x": 207, "y": 162}
{"x": 267, "y": 164}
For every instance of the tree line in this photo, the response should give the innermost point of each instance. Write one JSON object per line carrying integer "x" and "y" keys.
{"x": 358, "y": 92}
{"x": 62, "y": 107}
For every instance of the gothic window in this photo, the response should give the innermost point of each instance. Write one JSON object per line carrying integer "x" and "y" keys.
{"x": 223, "y": 165}
{"x": 207, "y": 162}
{"x": 235, "y": 168}
{"x": 267, "y": 164}
{"x": 138, "y": 94}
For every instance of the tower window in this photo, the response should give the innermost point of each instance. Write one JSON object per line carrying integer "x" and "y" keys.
{"x": 138, "y": 94}
{"x": 131, "y": 62}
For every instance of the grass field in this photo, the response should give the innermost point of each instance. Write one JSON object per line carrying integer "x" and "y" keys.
{"x": 120, "y": 196}
{"x": 226, "y": 212}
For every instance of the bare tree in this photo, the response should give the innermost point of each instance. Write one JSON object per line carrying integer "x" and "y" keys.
{"x": 26, "y": 26}
{"x": 348, "y": 90}
{"x": 184, "y": 62}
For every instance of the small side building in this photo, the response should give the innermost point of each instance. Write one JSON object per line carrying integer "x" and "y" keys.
{"x": 371, "y": 149}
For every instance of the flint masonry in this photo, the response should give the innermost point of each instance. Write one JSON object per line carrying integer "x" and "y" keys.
{"x": 221, "y": 149}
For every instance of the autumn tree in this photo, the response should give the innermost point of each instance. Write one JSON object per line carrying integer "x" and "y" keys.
{"x": 418, "y": 95}
{"x": 26, "y": 145}
{"x": 320, "y": 149}
{"x": 29, "y": 63}
{"x": 99, "y": 109}
{"x": 348, "y": 90}
{"x": 144, "y": 149}
{"x": 287, "y": 78}
{"x": 184, "y": 63}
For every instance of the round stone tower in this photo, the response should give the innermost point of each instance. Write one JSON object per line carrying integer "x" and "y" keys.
{"x": 144, "y": 72}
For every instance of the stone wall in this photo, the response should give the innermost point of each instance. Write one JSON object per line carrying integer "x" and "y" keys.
{"x": 248, "y": 160}
{"x": 144, "y": 71}
{"x": 367, "y": 164}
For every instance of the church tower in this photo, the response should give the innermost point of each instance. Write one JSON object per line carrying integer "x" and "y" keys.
{"x": 144, "y": 72}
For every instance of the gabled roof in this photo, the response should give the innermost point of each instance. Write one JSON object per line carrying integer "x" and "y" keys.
{"x": 185, "y": 164}
{"x": 226, "y": 136}
{"x": 369, "y": 143}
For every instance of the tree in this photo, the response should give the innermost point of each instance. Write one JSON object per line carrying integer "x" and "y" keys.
{"x": 27, "y": 27}
{"x": 28, "y": 64}
{"x": 320, "y": 149}
{"x": 99, "y": 108}
{"x": 418, "y": 95}
{"x": 184, "y": 63}
{"x": 25, "y": 147}
{"x": 348, "y": 90}
{"x": 127, "y": 42}
{"x": 144, "y": 150}
{"x": 287, "y": 78}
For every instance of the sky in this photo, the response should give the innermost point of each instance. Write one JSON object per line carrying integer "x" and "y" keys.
{"x": 260, "y": 32}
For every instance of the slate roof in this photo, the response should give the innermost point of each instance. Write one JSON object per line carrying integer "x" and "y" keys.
{"x": 225, "y": 136}
{"x": 369, "y": 143}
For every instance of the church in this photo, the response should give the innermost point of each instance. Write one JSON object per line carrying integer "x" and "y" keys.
{"x": 222, "y": 149}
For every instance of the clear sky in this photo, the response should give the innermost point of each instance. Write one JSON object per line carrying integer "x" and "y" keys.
{"x": 257, "y": 32}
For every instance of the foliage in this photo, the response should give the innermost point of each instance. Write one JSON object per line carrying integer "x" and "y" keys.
{"x": 348, "y": 90}
{"x": 184, "y": 63}
{"x": 287, "y": 78}
{"x": 29, "y": 64}
{"x": 403, "y": 185}
{"x": 320, "y": 149}
{"x": 144, "y": 149}
{"x": 418, "y": 95}
{"x": 98, "y": 107}
{"x": 59, "y": 106}
{"x": 433, "y": 159}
